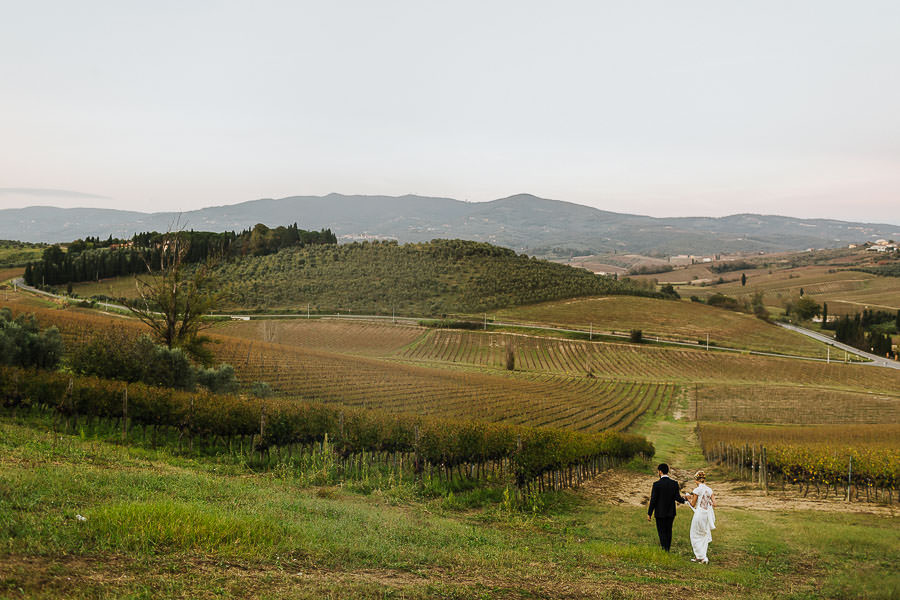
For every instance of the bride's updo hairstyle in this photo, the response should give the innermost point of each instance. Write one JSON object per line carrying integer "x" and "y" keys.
{"x": 700, "y": 476}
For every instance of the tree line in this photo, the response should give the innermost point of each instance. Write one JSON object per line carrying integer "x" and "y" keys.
{"x": 869, "y": 331}
{"x": 92, "y": 258}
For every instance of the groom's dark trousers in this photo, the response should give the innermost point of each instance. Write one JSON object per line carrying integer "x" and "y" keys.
{"x": 663, "y": 497}
{"x": 664, "y": 529}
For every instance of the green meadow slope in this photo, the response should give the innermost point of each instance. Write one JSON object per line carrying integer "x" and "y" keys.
{"x": 82, "y": 516}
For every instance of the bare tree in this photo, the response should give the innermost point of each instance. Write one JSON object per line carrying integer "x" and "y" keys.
{"x": 172, "y": 299}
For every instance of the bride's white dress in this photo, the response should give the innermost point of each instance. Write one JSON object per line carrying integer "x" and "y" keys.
{"x": 704, "y": 521}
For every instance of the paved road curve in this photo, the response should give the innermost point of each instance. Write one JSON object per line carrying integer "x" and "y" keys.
{"x": 877, "y": 361}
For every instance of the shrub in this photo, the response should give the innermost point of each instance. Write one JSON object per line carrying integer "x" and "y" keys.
{"x": 668, "y": 291}
{"x": 723, "y": 301}
{"x": 116, "y": 355}
{"x": 260, "y": 389}
{"x": 220, "y": 380}
{"x": 806, "y": 308}
{"x": 24, "y": 344}
{"x": 636, "y": 336}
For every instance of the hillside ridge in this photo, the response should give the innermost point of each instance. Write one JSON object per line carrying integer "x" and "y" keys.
{"x": 524, "y": 222}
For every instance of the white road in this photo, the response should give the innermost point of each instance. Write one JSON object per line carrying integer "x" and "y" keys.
{"x": 877, "y": 361}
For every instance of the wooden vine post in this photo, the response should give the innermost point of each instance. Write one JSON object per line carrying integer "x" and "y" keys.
{"x": 262, "y": 430}
{"x": 191, "y": 426}
{"x": 849, "y": 477}
{"x": 70, "y": 405}
{"x": 125, "y": 414}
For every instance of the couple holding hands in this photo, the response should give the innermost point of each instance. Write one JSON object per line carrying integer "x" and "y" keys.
{"x": 666, "y": 492}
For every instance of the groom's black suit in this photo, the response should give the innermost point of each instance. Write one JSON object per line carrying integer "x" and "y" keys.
{"x": 662, "y": 501}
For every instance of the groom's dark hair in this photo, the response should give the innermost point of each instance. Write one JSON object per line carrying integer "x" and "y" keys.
{"x": 663, "y": 468}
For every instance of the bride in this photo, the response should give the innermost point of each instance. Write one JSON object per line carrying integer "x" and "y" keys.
{"x": 702, "y": 500}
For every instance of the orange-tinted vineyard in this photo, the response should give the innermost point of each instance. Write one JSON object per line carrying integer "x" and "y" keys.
{"x": 791, "y": 404}
{"x": 581, "y": 403}
{"x": 9, "y": 273}
{"x": 650, "y": 363}
{"x": 560, "y": 383}
{"x": 350, "y": 337}
{"x": 75, "y": 324}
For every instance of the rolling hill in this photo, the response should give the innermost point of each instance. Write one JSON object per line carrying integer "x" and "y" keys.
{"x": 523, "y": 222}
{"x": 429, "y": 278}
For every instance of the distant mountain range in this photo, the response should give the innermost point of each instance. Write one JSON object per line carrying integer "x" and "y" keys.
{"x": 524, "y": 222}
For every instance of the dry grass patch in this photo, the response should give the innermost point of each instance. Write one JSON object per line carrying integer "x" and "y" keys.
{"x": 352, "y": 337}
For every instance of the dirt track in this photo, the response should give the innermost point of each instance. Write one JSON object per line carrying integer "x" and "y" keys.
{"x": 623, "y": 487}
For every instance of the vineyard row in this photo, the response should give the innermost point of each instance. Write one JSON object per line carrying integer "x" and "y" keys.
{"x": 845, "y": 472}
{"x": 533, "y": 455}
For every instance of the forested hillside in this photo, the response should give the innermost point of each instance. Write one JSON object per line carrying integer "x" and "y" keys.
{"x": 93, "y": 258}
{"x": 437, "y": 277}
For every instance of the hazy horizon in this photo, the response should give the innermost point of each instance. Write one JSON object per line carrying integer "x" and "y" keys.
{"x": 49, "y": 195}
{"x": 691, "y": 109}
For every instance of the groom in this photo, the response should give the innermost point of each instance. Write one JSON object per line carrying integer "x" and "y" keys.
{"x": 662, "y": 501}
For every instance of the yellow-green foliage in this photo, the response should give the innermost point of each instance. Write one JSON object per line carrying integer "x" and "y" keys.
{"x": 164, "y": 525}
{"x": 448, "y": 443}
{"x": 815, "y": 454}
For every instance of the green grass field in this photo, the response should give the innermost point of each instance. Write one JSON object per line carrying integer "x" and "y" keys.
{"x": 17, "y": 254}
{"x": 160, "y": 525}
{"x": 114, "y": 287}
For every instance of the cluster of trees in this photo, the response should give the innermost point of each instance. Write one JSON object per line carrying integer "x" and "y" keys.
{"x": 172, "y": 303}
{"x": 870, "y": 330}
{"x": 24, "y": 344}
{"x": 755, "y": 306}
{"x": 92, "y": 258}
{"x": 58, "y": 267}
{"x": 650, "y": 269}
{"x": 91, "y": 243}
{"x": 888, "y": 270}
{"x": 431, "y": 278}
{"x": 732, "y": 265}
{"x": 114, "y": 355}
{"x": 805, "y": 308}
{"x": 723, "y": 301}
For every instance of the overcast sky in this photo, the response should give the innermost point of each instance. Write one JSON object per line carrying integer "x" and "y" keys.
{"x": 664, "y": 108}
